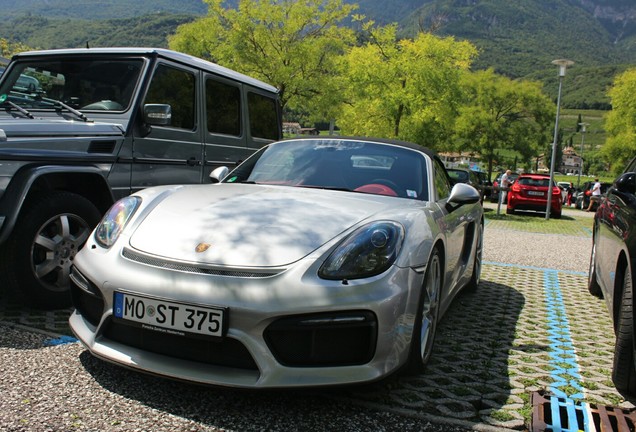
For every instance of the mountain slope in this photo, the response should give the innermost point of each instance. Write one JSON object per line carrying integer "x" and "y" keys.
{"x": 520, "y": 37}
{"x": 98, "y": 9}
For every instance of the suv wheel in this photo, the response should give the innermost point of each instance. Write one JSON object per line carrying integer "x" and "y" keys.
{"x": 51, "y": 230}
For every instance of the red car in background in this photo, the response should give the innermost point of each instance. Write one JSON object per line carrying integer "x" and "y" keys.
{"x": 530, "y": 192}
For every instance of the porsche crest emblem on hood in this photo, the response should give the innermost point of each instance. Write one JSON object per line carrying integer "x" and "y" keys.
{"x": 202, "y": 247}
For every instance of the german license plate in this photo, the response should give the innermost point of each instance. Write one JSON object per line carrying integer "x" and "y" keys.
{"x": 535, "y": 193}
{"x": 169, "y": 317}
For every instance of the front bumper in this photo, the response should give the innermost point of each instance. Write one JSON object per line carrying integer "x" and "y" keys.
{"x": 288, "y": 330}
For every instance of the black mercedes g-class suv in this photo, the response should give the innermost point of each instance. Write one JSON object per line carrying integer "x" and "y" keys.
{"x": 80, "y": 128}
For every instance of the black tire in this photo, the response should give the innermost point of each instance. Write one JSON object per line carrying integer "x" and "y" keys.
{"x": 37, "y": 261}
{"x": 623, "y": 373}
{"x": 510, "y": 211}
{"x": 592, "y": 284}
{"x": 426, "y": 317}
{"x": 556, "y": 215}
{"x": 473, "y": 283}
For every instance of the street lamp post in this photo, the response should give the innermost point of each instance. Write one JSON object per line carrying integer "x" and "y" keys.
{"x": 583, "y": 125}
{"x": 563, "y": 64}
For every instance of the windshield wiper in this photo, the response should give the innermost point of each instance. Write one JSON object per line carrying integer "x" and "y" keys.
{"x": 59, "y": 105}
{"x": 17, "y": 107}
{"x": 334, "y": 188}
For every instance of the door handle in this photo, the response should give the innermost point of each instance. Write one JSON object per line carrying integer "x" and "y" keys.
{"x": 193, "y": 162}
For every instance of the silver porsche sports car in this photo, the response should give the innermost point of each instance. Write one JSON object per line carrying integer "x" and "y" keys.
{"x": 317, "y": 261}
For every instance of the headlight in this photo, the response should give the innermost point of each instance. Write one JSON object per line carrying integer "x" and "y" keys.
{"x": 115, "y": 220}
{"x": 369, "y": 251}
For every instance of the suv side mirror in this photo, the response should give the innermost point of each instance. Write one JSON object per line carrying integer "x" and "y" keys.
{"x": 218, "y": 174}
{"x": 158, "y": 114}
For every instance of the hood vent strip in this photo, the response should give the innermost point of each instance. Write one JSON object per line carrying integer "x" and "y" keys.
{"x": 189, "y": 268}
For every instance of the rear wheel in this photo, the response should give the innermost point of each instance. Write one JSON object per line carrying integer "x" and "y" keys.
{"x": 426, "y": 318}
{"x": 510, "y": 210}
{"x": 40, "y": 252}
{"x": 592, "y": 284}
{"x": 623, "y": 373}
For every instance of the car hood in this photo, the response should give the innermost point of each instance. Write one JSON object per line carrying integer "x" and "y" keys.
{"x": 250, "y": 225}
{"x": 21, "y": 128}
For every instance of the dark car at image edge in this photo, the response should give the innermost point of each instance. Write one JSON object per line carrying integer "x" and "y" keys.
{"x": 611, "y": 272}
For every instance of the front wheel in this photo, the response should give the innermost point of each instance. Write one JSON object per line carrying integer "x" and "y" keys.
{"x": 40, "y": 252}
{"x": 623, "y": 373}
{"x": 479, "y": 247}
{"x": 426, "y": 317}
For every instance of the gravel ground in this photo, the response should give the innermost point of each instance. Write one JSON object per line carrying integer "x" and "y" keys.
{"x": 62, "y": 387}
{"x": 554, "y": 251}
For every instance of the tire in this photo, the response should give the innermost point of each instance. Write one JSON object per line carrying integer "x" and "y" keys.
{"x": 51, "y": 230}
{"x": 510, "y": 211}
{"x": 473, "y": 283}
{"x": 556, "y": 215}
{"x": 623, "y": 373}
{"x": 425, "y": 325}
{"x": 592, "y": 284}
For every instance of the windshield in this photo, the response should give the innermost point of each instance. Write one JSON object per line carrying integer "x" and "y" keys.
{"x": 331, "y": 163}
{"x": 537, "y": 182}
{"x": 83, "y": 84}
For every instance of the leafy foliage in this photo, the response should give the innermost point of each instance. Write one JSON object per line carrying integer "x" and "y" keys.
{"x": 516, "y": 39}
{"x": 621, "y": 121}
{"x": 500, "y": 113}
{"x": 520, "y": 39}
{"x": 406, "y": 89}
{"x": 290, "y": 44}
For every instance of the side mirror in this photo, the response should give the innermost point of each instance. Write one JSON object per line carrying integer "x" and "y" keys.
{"x": 626, "y": 183}
{"x": 218, "y": 174}
{"x": 463, "y": 193}
{"x": 158, "y": 114}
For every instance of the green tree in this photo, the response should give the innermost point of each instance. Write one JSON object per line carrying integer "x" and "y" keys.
{"x": 291, "y": 44}
{"x": 8, "y": 48}
{"x": 620, "y": 123}
{"x": 500, "y": 113}
{"x": 406, "y": 89}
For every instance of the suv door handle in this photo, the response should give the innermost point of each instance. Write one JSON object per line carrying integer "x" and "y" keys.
{"x": 193, "y": 162}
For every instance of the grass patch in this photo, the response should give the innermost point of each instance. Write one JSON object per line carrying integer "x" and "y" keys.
{"x": 536, "y": 222}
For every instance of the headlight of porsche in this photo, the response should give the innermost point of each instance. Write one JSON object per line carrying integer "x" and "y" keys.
{"x": 115, "y": 220}
{"x": 367, "y": 252}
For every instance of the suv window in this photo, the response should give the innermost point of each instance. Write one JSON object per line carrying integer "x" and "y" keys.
{"x": 263, "y": 118}
{"x": 176, "y": 88}
{"x": 223, "y": 107}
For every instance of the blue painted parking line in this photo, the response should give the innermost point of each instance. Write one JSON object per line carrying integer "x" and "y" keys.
{"x": 59, "y": 341}
{"x": 565, "y": 371}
